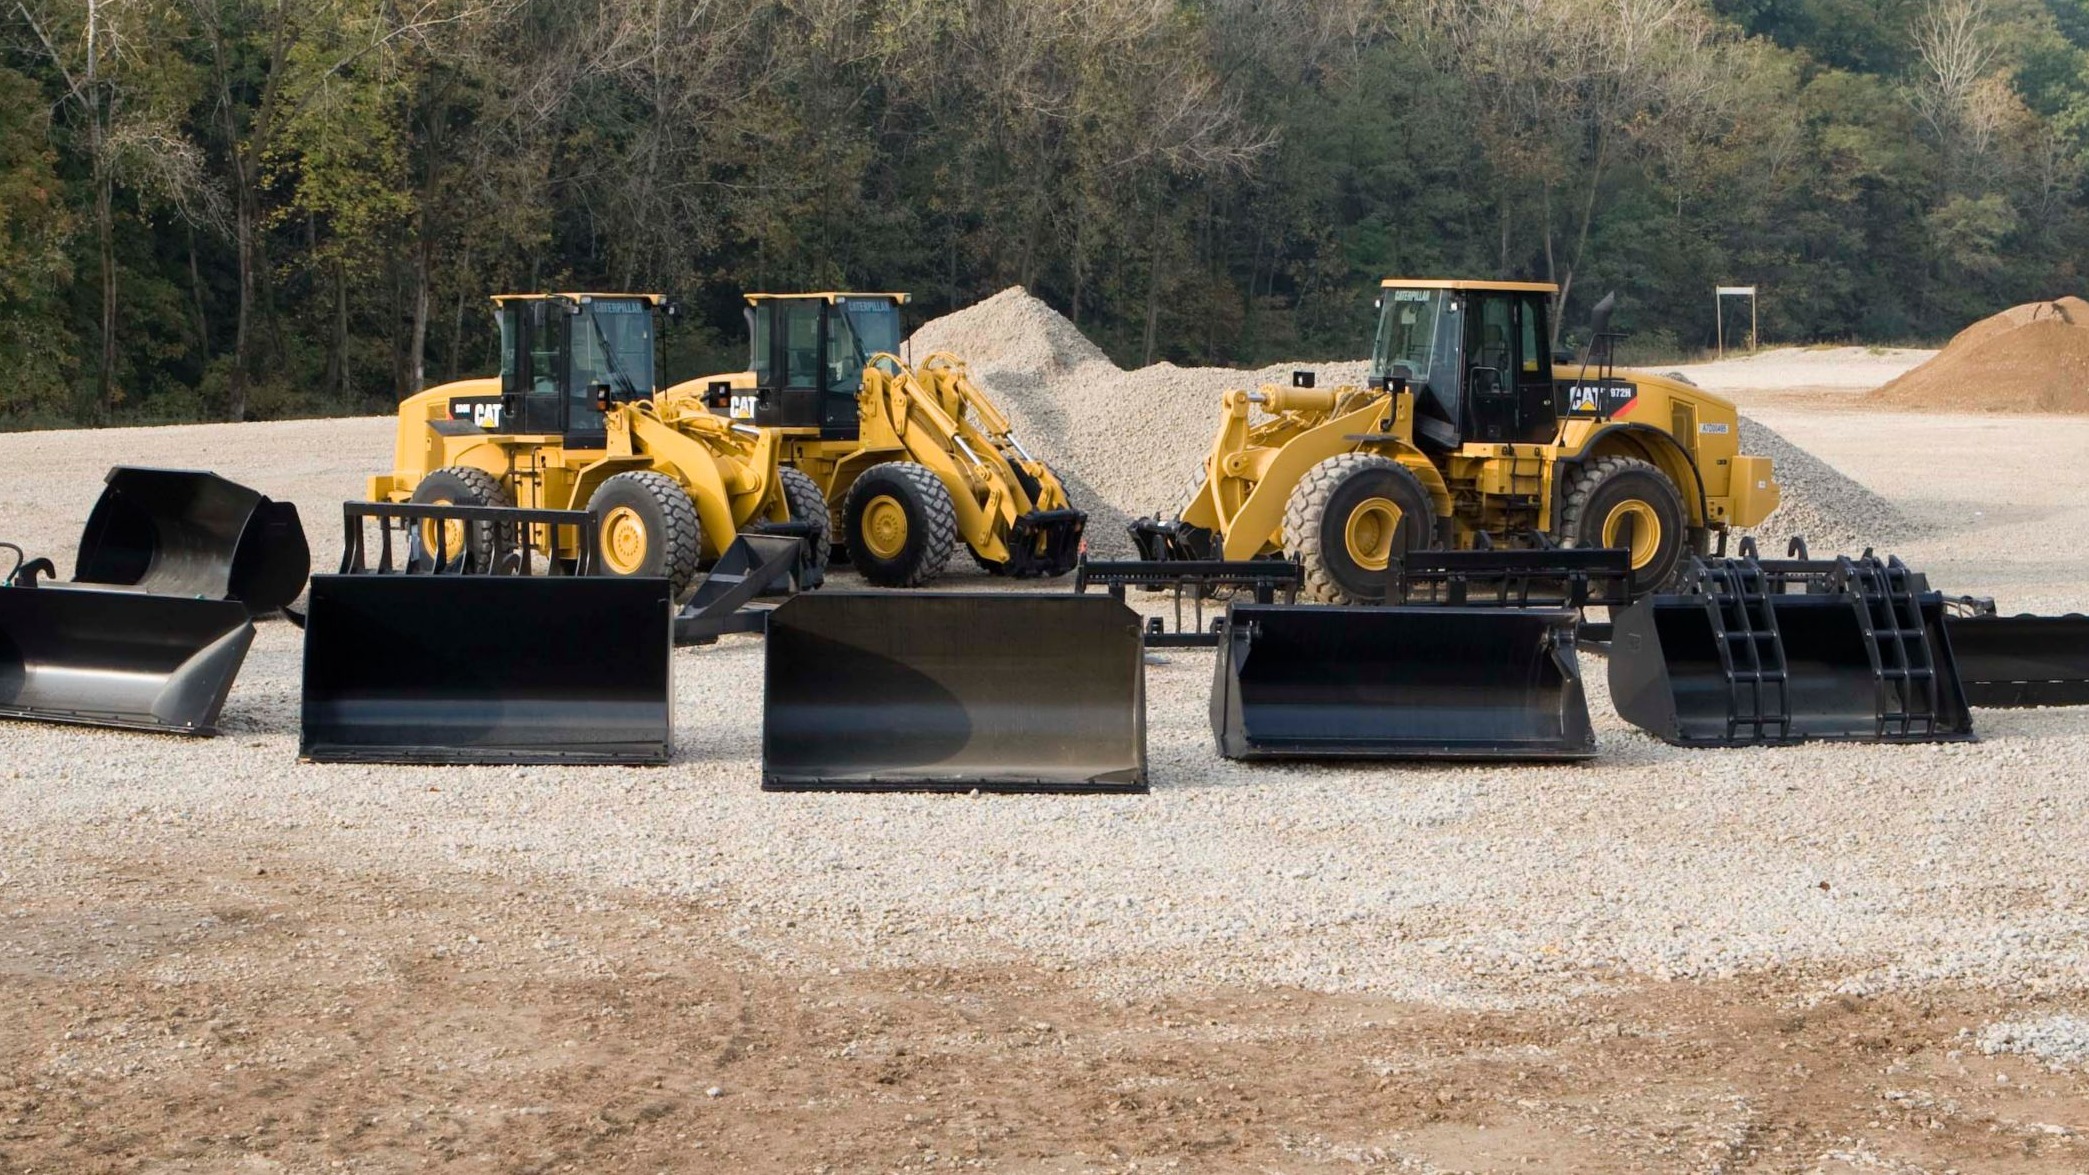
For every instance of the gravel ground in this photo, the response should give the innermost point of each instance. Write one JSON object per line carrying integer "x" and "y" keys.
{"x": 1871, "y": 868}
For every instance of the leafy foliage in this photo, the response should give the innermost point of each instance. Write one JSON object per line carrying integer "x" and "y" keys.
{"x": 242, "y": 208}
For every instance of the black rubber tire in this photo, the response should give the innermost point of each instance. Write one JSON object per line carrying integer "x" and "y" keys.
{"x": 460, "y": 485}
{"x": 1317, "y": 517}
{"x": 806, "y": 503}
{"x": 674, "y": 533}
{"x": 1597, "y": 488}
{"x": 931, "y": 524}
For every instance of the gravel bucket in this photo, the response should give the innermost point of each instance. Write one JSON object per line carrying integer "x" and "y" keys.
{"x": 1798, "y": 667}
{"x": 941, "y": 691}
{"x": 2018, "y": 661}
{"x": 1320, "y": 681}
{"x": 98, "y": 657}
{"x": 178, "y": 532}
{"x": 486, "y": 669}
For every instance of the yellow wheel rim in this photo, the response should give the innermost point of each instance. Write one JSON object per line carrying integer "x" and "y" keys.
{"x": 885, "y": 526}
{"x": 1369, "y": 533}
{"x": 447, "y": 537}
{"x": 624, "y": 540}
{"x": 1646, "y": 530}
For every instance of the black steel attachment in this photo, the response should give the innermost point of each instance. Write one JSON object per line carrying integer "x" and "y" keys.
{"x": 1433, "y": 682}
{"x": 182, "y": 532}
{"x": 944, "y": 691}
{"x": 2018, "y": 661}
{"x": 728, "y": 599}
{"x": 486, "y": 669}
{"x": 1045, "y": 542}
{"x": 413, "y": 538}
{"x": 111, "y": 657}
{"x": 1197, "y": 581}
{"x": 1755, "y": 652}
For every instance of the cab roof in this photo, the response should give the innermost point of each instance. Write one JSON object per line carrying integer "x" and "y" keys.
{"x": 1460, "y": 283}
{"x": 652, "y": 299}
{"x": 827, "y": 296}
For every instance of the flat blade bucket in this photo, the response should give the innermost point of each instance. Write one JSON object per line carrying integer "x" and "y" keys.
{"x": 929, "y": 691}
{"x": 2021, "y": 661}
{"x": 125, "y": 659}
{"x": 486, "y": 669}
{"x": 1855, "y": 659}
{"x": 1312, "y": 681}
{"x": 180, "y": 532}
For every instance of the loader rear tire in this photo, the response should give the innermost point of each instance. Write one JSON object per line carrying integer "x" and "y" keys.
{"x": 1606, "y": 492}
{"x": 1343, "y": 520}
{"x": 900, "y": 525}
{"x": 802, "y": 496}
{"x": 645, "y": 526}
{"x": 457, "y": 485}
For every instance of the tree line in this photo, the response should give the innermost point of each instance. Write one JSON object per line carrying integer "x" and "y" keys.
{"x": 236, "y": 209}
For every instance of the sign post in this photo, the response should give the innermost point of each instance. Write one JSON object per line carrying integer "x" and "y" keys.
{"x": 1719, "y": 296}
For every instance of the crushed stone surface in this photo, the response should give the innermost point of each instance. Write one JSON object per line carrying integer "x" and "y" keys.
{"x": 2061, "y": 1041}
{"x": 1465, "y": 885}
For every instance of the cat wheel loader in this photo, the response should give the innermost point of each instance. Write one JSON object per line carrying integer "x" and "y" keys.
{"x": 575, "y": 421}
{"x": 1469, "y": 434}
{"x": 911, "y": 460}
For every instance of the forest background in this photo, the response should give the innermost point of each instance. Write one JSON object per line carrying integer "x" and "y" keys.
{"x": 241, "y": 209}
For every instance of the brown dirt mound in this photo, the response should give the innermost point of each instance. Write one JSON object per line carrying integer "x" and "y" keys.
{"x": 2029, "y": 358}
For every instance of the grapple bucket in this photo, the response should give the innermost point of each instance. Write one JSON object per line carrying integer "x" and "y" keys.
{"x": 179, "y": 532}
{"x": 1312, "y": 681}
{"x": 2014, "y": 661}
{"x": 1741, "y": 658}
{"x": 99, "y": 657}
{"x": 486, "y": 669}
{"x": 954, "y": 691}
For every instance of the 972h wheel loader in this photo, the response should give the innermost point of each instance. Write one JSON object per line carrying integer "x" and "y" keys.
{"x": 574, "y": 421}
{"x": 1468, "y": 434}
{"x": 912, "y": 460}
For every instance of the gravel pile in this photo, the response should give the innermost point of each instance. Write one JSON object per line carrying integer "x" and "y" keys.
{"x": 1134, "y": 442}
{"x": 1835, "y": 513}
{"x": 2060, "y": 1041}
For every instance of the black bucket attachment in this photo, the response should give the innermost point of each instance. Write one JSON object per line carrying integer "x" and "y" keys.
{"x": 1756, "y": 653}
{"x": 2020, "y": 661}
{"x": 753, "y": 566}
{"x": 179, "y": 532}
{"x": 486, "y": 669}
{"x": 1314, "y": 681}
{"x": 101, "y": 657}
{"x": 932, "y": 691}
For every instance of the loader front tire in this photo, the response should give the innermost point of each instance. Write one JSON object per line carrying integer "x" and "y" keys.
{"x": 647, "y": 526}
{"x": 457, "y": 485}
{"x": 1344, "y": 519}
{"x": 900, "y": 525}
{"x": 806, "y": 503}
{"x": 1611, "y": 497}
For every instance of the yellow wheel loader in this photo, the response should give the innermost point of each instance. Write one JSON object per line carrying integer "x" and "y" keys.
{"x": 911, "y": 460}
{"x": 574, "y": 421}
{"x": 1468, "y": 434}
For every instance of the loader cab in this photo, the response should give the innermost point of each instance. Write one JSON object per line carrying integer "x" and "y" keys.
{"x": 808, "y": 356}
{"x": 1476, "y": 355}
{"x": 565, "y": 355}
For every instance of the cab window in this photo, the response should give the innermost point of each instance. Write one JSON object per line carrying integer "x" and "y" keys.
{"x": 801, "y": 345}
